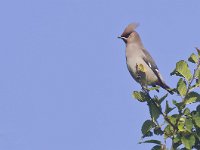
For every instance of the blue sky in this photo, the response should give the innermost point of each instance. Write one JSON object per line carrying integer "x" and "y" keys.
{"x": 63, "y": 80}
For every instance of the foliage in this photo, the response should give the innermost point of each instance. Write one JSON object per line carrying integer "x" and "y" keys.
{"x": 177, "y": 122}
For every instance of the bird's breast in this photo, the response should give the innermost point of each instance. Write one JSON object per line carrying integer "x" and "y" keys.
{"x": 134, "y": 57}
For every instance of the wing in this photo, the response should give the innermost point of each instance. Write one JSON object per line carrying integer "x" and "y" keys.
{"x": 151, "y": 63}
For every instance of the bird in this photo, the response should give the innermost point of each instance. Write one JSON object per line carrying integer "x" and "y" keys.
{"x": 140, "y": 63}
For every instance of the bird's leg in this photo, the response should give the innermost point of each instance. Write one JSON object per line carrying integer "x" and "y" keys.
{"x": 138, "y": 74}
{"x": 145, "y": 88}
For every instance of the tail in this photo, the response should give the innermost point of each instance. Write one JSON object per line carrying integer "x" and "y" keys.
{"x": 166, "y": 87}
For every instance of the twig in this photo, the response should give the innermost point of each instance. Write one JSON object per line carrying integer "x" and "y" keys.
{"x": 164, "y": 115}
{"x": 193, "y": 77}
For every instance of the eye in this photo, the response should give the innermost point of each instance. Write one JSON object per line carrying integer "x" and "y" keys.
{"x": 128, "y": 35}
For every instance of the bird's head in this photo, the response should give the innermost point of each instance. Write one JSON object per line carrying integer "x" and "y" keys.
{"x": 130, "y": 35}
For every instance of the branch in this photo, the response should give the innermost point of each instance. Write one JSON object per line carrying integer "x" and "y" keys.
{"x": 163, "y": 114}
{"x": 193, "y": 77}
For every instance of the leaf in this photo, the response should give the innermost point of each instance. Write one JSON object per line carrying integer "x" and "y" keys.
{"x": 196, "y": 118}
{"x": 188, "y": 124}
{"x": 188, "y": 141}
{"x": 198, "y": 51}
{"x": 157, "y": 147}
{"x": 191, "y": 97}
{"x": 193, "y": 58}
{"x": 151, "y": 141}
{"x": 168, "y": 131}
{"x": 148, "y": 134}
{"x": 154, "y": 110}
{"x": 182, "y": 70}
{"x": 186, "y": 112}
{"x": 198, "y": 108}
{"x": 163, "y": 98}
{"x": 168, "y": 108}
{"x": 177, "y": 139}
{"x": 147, "y": 126}
{"x": 154, "y": 88}
{"x": 174, "y": 118}
{"x": 158, "y": 131}
{"x": 181, "y": 87}
{"x": 198, "y": 132}
{"x": 181, "y": 124}
{"x": 197, "y": 74}
{"x": 180, "y": 105}
{"x": 141, "y": 96}
{"x": 193, "y": 113}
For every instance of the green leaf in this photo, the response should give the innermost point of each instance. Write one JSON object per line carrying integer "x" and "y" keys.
{"x": 157, "y": 147}
{"x": 154, "y": 88}
{"x": 180, "y": 105}
{"x": 163, "y": 98}
{"x": 177, "y": 139}
{"x": 168, "y": 131}
{"x": 182, "y": 87}
{"x": 151, "y": 141}
{"x": 158, "y": 131}
{"x": 198, "y": 51}
{"x": 197, "y": 144}
{"x": 181, "y": 124}
{"x": 182, "y": 70}
{"x": 154, "y": 110}
{"x": 186, "y": 112}
{"x": 196, "y": 118}
{"x": 168, "y": 108}
{"x": 193, "y": 113}
{"x": 188, "y": 141}
{"x": 183, "y": 148}
{"x": 148, "y": 134}
{"x": 141, "y": 96}
{"x": 198, "y": 108}
{"x": 147, "y": 126}
{"x": 198, "y": 132}
{"x": 192, "y": 97}
{"x": 188, "y": 124}
{"x": 193, "y": 58}
{"x": 197, "y": 74}
{"x": 174, "y": 118}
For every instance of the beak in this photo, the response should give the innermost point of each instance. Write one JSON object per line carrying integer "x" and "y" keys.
{"x": 121, "y": 37}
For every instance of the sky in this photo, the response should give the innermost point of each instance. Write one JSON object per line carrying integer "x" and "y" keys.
{"x": 64, "y": 83}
